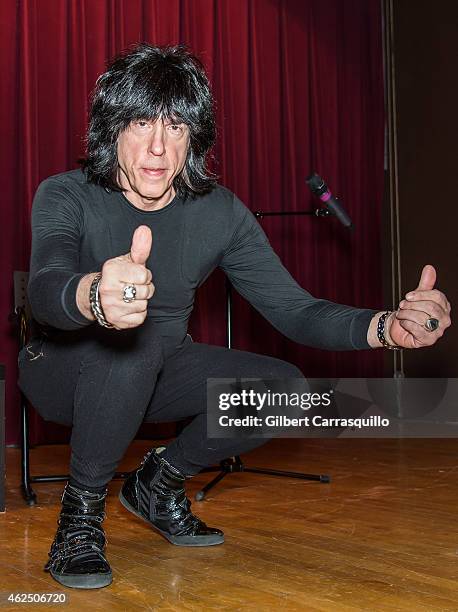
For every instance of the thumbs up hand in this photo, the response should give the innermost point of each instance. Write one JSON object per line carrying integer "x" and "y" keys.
{"x": 126, "y": 283}
{"x": 422, "y": 317}
{"x": 140, "y": 249}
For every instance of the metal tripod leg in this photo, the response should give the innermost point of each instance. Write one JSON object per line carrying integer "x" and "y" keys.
{"x": 235, "y": 464}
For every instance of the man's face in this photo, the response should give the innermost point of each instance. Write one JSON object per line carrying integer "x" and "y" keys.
{"x": 150, "y": 155}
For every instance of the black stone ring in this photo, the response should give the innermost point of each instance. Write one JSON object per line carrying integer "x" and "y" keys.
{"x": 431, "y": 324}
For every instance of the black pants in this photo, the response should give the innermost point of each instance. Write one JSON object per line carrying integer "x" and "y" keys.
{"x": 105, "y": 384}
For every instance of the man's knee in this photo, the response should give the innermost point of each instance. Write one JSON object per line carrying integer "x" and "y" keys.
{"x": 291, "y": 370}
{"x": 278, "y": 368}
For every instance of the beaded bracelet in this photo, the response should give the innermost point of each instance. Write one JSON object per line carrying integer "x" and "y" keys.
{"x": 94, "y": 302}
{"x": 381, "y": 333}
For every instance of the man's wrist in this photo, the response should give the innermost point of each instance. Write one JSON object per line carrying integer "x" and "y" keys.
{"x": 372, "y": 335}
{"x": 95, "y": 303}
{"x": 388, "y": 323}
{"x": 82, "y": 296}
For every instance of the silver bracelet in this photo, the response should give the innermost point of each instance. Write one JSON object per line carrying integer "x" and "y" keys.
{"x": 94, "y": 302}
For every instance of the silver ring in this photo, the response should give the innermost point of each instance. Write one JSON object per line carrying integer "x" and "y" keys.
{"x": 129, "y": 293}
{"x": 431, "y": 324}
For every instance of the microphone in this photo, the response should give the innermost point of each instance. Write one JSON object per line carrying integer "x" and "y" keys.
{"x": 319, "y": 188}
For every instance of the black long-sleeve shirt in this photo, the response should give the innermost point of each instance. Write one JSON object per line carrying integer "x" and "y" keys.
{"x": 77, "y": 226}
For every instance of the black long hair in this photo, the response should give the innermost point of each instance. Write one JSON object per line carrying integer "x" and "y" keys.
{"x": 151, "y": 83}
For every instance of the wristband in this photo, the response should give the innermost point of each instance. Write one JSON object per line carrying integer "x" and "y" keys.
{"x": 94, "y": 302}
{"x": 381, "y": 333}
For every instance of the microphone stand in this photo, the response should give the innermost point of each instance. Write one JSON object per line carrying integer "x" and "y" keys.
{"x": 235, "y": 464}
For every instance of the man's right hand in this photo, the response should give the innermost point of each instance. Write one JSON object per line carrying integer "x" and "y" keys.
{"x": 129, "y": 269}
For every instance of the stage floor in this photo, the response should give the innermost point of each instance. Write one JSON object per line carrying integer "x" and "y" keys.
{"x": 382, "y": 536}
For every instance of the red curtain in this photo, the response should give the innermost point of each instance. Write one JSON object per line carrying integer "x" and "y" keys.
{"x": 298, "y": 85}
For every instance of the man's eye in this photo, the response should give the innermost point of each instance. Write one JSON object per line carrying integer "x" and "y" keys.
{"x": 176, "y": 128}
{"x": 141, "y": 123}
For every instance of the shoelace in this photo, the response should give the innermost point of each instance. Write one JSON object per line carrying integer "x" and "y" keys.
{"x": 179, "y": 507}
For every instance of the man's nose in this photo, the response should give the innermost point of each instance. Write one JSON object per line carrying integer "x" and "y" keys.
{"x": 157, "y": 140}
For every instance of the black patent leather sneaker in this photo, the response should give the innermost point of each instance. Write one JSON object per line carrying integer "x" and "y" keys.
{"x": 155, "y": 493}
{"x": 76, "y": 558}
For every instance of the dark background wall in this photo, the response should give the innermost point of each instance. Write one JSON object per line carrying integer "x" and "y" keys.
{"x": 339, "y": 131}
{"x": 298, "y": 86}
{"x": 426, "y": 52}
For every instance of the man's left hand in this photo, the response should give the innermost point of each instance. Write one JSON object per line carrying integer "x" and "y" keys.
{"x": 406, "y": 327}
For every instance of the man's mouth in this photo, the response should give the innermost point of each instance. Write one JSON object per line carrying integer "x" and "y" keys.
{"x": 154, "y": 172}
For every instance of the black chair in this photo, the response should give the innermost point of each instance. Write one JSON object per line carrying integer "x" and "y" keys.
{"x": 22, "y": 318}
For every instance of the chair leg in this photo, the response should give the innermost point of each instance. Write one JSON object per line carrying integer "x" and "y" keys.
{"x": 27, "y": 491}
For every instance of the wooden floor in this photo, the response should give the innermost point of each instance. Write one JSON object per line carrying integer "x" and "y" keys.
{"x": 382, "y": 536}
